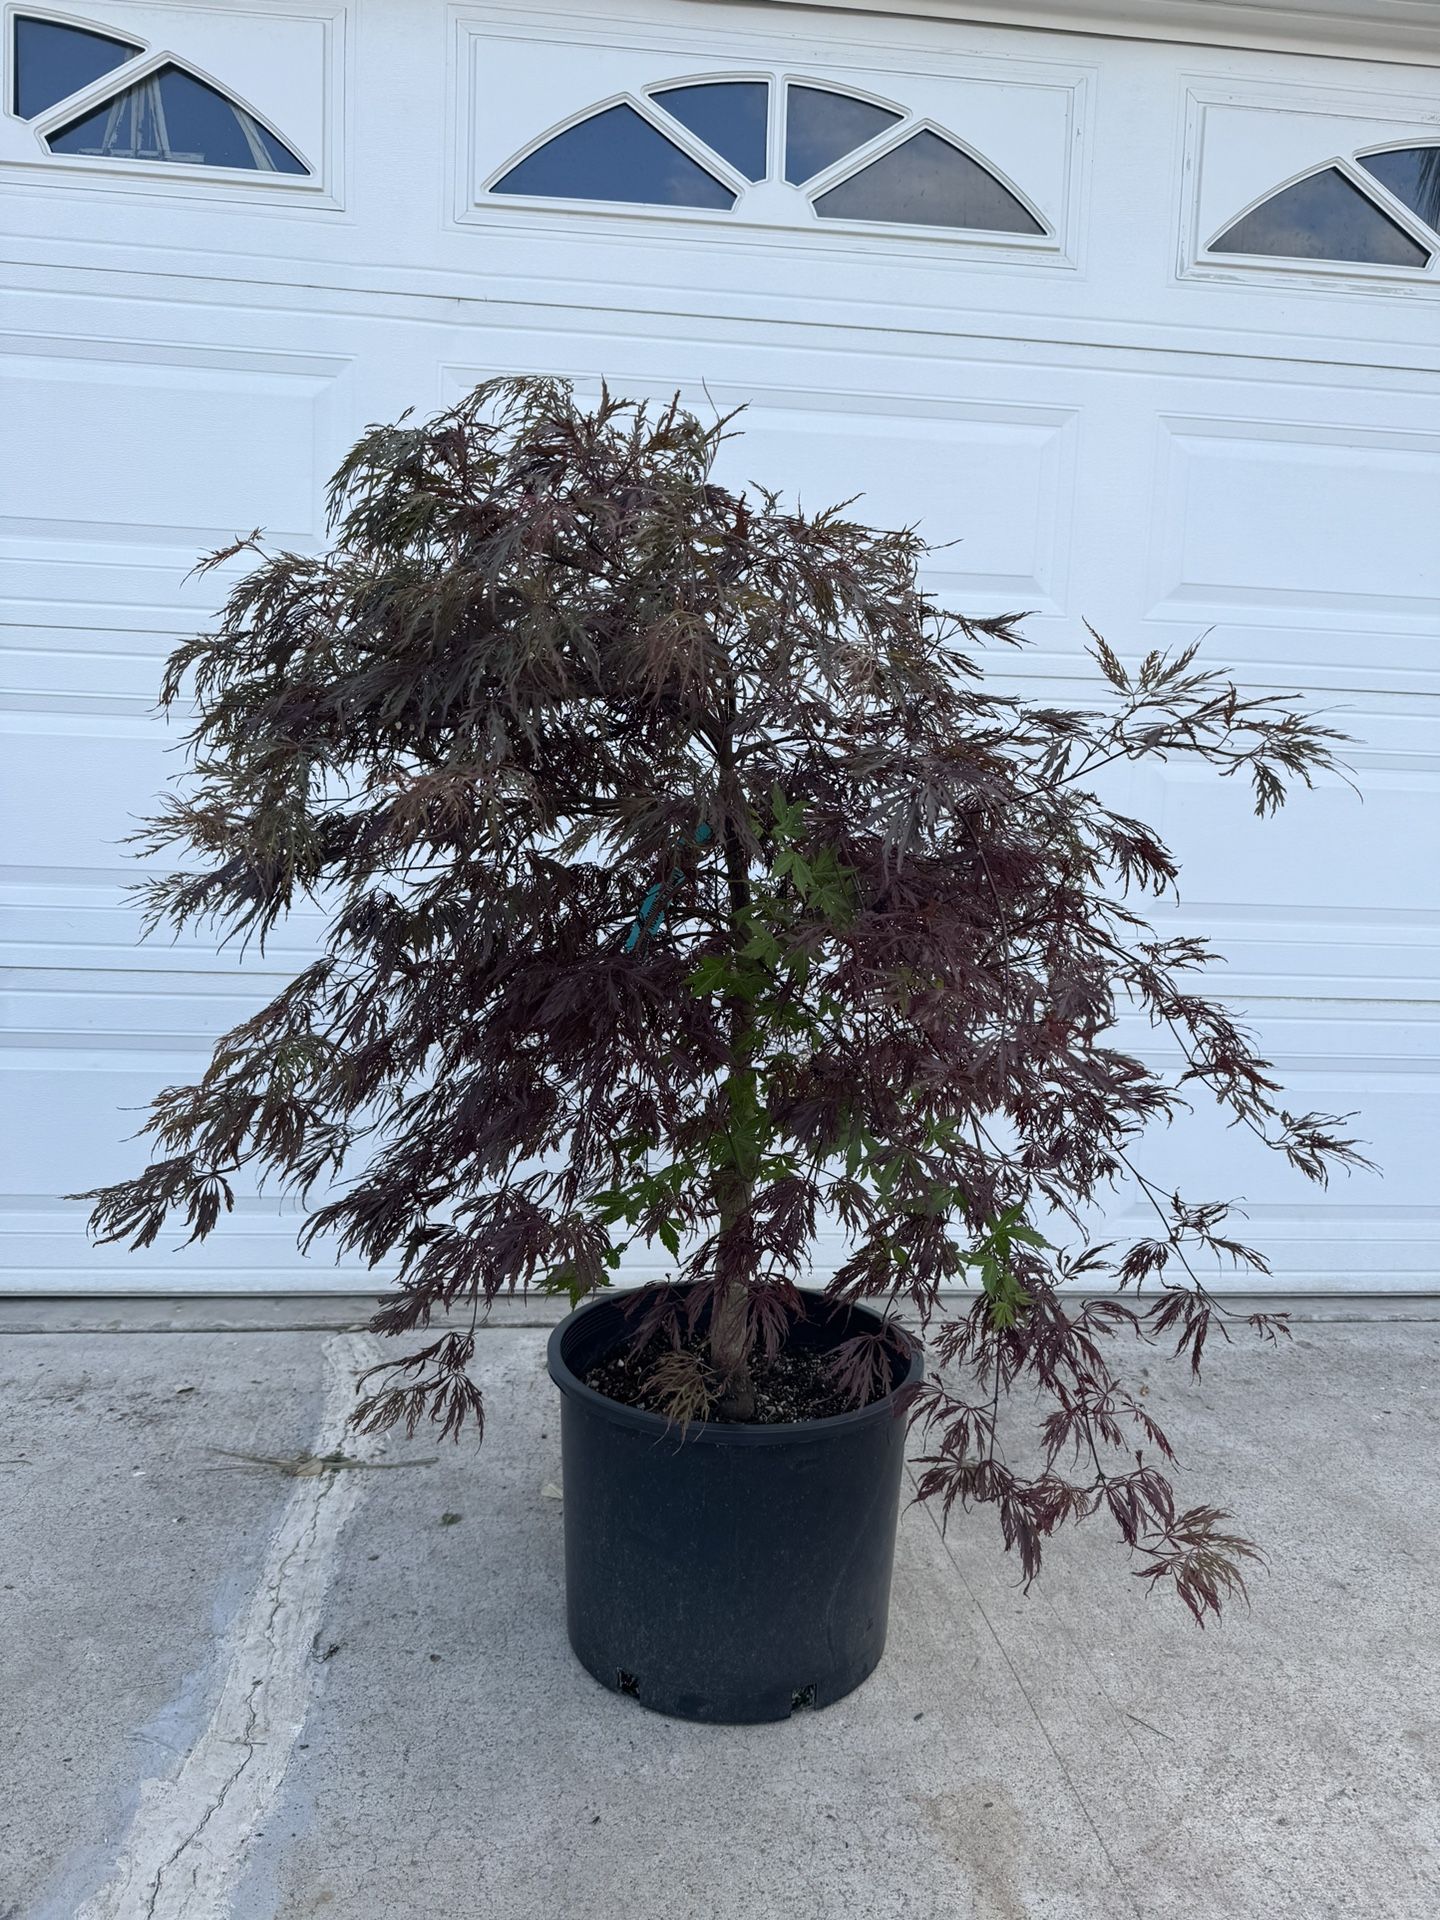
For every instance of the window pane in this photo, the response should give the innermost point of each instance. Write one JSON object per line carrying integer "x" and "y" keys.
{"x": 275, "y": 151}
{"x": 927, "y": 182}
{"x": 1412, "y": 175}
{"x": 53, "y": 61}
{"x": 616, "y": 155}
{"x": 170, "y": 115}
{"x": 1325, "y": 217}
{"x": 729, "y": 115}
{"x": 822, "y": 127}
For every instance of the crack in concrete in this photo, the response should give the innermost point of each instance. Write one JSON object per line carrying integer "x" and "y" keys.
{"x": 275, "y": 1588}
{"x": 186, "y": 1845}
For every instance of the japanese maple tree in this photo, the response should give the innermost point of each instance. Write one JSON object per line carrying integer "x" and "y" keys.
{"x": 687, "y": 887}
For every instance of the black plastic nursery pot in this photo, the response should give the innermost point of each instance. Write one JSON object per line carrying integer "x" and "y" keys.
{"x": 727, "y": 1572}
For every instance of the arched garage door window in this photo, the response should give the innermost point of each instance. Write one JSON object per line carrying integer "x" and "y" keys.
{"x": 704, "y": 143}
{"x": 1379, "y": 208}
{"x": 155, "y": 109}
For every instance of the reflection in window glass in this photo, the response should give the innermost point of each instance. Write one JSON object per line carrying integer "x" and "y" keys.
{"x": 729, "y": 115}
{"x": 927, "y": 182}
{"x": 1324, "y": 217}
{"x": 172, "y": 116}
{"x": 822, "y": 127}
{"x": 1413, "y": 175}
{"x": 52, "y": 61}
{"x": 616, "y": 155}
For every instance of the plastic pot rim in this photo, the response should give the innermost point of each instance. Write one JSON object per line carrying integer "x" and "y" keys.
{"x": 725, "y": 1433}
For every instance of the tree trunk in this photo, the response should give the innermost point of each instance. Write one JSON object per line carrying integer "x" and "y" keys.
{"x": 729, "y": 1348}
{"x": 729, "y": 1355}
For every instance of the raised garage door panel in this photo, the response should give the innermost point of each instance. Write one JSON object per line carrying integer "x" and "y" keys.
{"x": 142, "y": 446}
{"x": 1280, "y": 518}
{"x": 1107, "y": 427}
{"x": 986, "y": 460}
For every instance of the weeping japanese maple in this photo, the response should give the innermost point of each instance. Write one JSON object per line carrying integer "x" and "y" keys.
{"x": 687, "y": 888}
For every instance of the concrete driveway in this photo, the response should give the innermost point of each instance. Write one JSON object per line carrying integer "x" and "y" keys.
{"x": 236, "y": 1685}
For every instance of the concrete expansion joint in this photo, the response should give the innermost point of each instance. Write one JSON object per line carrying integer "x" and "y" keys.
{"x": 188, "y": 1841}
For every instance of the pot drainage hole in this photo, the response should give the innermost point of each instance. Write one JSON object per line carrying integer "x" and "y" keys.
{"x": 627, "y": 1683}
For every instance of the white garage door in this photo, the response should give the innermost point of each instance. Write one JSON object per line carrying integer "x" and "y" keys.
{"x": 1149, "y": 329}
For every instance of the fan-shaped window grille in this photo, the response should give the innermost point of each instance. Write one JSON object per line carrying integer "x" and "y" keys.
{"x": 50, "y": 60}
{"x": 1350, "y": 212}
{"x": 702, "y": 143}
{"x": 171, "y": 115}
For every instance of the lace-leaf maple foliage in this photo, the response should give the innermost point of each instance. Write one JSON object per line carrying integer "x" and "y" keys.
{"x": 687, "y": 887}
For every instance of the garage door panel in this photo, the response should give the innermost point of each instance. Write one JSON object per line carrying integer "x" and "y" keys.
{"x": 95, "y": 1009}
{"x": 1271, "y": 955}
{"x": 1243, "y": 148}
{"x": 1367, "y": 1231}
{"x": 169, "y": 448}
{"x": 88, "y": 928}
{"x": 49, "y": 669}
{"x": 79, "y": 786}
{"x": 1332, "y": 1248}
{"x": 1287, "y": 518}
{"x": 133, "y": 460}
{"x": 255, "y": 1253}
{"x": 68, "y": 1116}
{"x": 1367, "y": 677}
{"x": 247, "y": 1257}
{"x": 1375, "y": 849}
{"x": 1377, "y": 1235}
{"x": 105, "y": 586}
{"x": 1365, "y": 1235}
{"x": 994, "y": 471}
{"x": 33, "y": 679}
{"x": 979, "y": 469}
